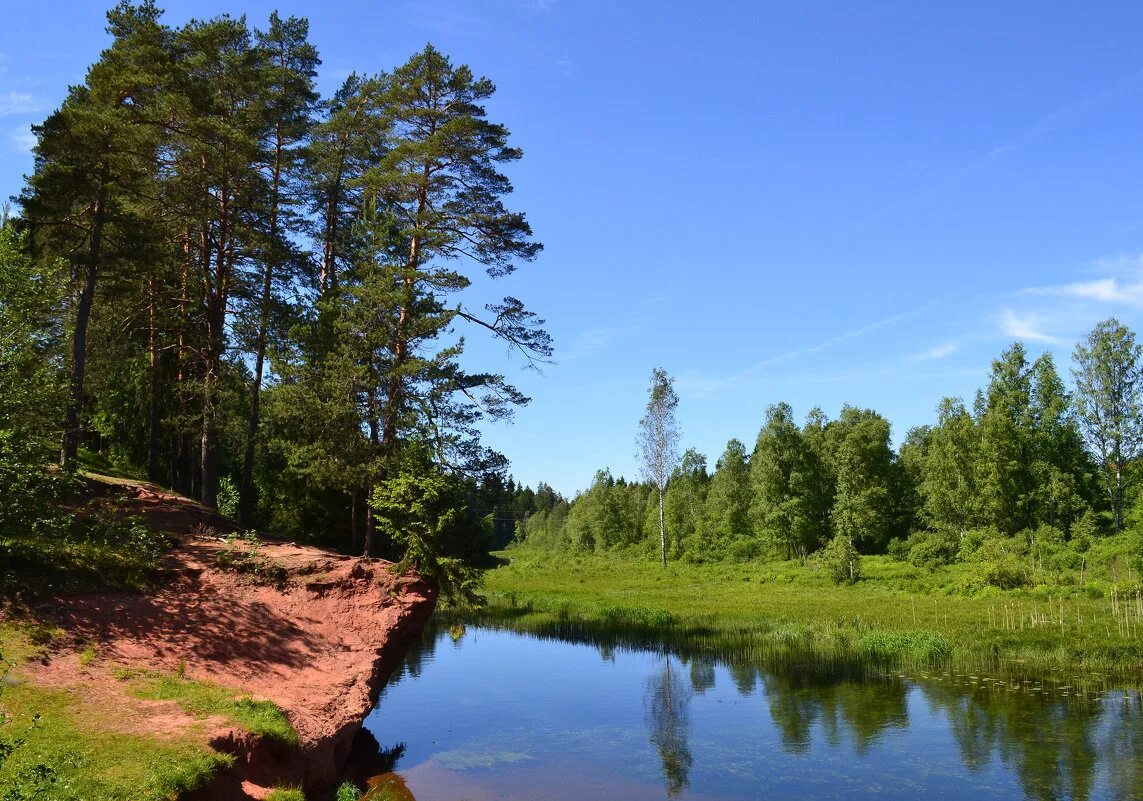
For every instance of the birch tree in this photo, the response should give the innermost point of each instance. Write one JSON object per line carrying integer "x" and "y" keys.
{"x": 659, "y": 442}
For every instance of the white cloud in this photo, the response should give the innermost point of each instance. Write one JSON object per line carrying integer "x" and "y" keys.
{"x": 14, "y": 103}
{"x": 1025, "y": 327}
{"x": 1103, "y": 290}
{"x": 22, "y": 139}
{"x": 937, "y": 352}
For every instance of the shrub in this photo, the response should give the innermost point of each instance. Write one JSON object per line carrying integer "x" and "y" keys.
{"x": 898, "y": 549}
{"x": 227, "y": 498}
{"x": 840, "y": 560}
{"x": 1006, "y": 573}
{"x": 932, "y": 549}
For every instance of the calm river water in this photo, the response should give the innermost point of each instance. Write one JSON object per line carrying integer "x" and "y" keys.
{"x": 497, "y": 715}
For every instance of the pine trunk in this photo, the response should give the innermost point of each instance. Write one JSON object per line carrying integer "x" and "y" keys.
{"x": 153, "y": 401}
{"x": 246, "y": 492}
{"x": 69, "y": 449}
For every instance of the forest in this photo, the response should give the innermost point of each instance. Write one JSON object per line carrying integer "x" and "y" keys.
{"x": 222, "y": 282}
{"x": 1033, "y": 482}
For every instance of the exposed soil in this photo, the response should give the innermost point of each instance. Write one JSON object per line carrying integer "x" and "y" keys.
{"x": 315, "y": 632}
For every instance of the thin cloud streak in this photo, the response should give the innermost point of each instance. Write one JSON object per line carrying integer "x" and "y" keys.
{"x": 593, "y": 340}
{"x": 1020, "y": 140}
{"x": 700, "y": 386}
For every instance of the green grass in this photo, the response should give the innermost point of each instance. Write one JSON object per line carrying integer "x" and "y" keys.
{"x": 203, "y": 699}
{"x": 68, "y": 733}
{"x": 85, "y": 759}
{"x": 103, "y": 464}
{"x": 286, "y": 794}
{"x": 897, "y": 615}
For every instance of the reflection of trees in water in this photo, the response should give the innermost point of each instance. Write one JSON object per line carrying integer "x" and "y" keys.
{"x": 1056, "y": 745}
{"x": 421, "y": 653}
{"x": 702, "y": 674}
{"x": 864, "y": 709}
{"x": 745, "y": 676}
{"x": 1123, "y": 745}
{"x": 369, "y": 763}
{"x": 1052, "y": 743}
{"x": 667, "y": 701}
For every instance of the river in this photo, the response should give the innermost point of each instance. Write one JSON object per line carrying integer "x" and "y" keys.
{"x": 486, "y": 715}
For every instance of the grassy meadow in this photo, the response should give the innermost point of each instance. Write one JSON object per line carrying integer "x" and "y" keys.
{"x": 898, "y": 615}
{"x": 73, "y": 744}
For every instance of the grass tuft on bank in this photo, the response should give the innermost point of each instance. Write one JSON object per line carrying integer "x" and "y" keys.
{"x": 203, "y": 699}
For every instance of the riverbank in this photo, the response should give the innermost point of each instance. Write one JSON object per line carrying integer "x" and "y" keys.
{"x": 897, "y": 615}
{"x": 247, "y": 665}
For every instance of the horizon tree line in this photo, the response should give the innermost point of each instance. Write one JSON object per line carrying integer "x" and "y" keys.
{"x": 1027, "y": 457}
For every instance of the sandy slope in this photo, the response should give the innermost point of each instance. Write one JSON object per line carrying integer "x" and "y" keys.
{"x": 320, "y": 644}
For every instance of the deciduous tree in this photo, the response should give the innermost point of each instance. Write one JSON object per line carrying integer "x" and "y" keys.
{"x": 1108, "y": 371}
{"x": 659, "y": 442}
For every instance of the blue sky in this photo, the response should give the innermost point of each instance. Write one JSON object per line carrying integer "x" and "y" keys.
{"x": 821, "y": 203}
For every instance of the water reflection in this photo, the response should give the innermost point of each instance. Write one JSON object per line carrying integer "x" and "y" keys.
{"x": 504, "y": 715}
{"x": 667, "y": 699}
{"x": 838, "y": 705}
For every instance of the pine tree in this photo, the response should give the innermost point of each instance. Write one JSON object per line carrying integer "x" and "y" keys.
{"x": 286, "y": 90}
{"x": 93, "y": 158}
{"x": 439, "y": 193}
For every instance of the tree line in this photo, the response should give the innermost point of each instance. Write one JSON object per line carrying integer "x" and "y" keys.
{"x": 1029, "y": 465}
{"x": 263, "y": 297}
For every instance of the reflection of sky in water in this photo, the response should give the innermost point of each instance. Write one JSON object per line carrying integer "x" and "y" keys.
{"x": 503, "y": 716}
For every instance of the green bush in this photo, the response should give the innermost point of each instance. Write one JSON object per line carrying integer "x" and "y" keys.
{"x": 228, "y": 498}
{"x": 347, "y": 792}
{"x": 840, "y": 560}
{"x": 932, "y": 549}
{"x": 1006, "y": 573}
{"x": 898, "y": 549}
